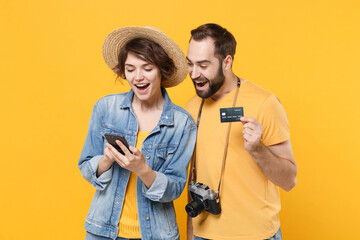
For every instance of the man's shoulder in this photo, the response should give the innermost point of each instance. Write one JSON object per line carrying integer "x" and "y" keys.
{"x": 192, "y": 105}
{"x": 193, "y": 100}
{"x": 257, "y": 96}
{"x": 254, "y": 89}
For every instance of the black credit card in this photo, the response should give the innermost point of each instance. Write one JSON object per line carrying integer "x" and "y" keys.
{"x": 231, "y": 114}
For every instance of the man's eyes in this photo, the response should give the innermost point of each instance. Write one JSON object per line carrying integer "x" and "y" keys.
{"x": 201, "y": 66}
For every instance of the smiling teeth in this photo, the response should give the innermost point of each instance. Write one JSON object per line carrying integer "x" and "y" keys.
{"x": 141, "y": 85}
{"x": 199, "y": 82}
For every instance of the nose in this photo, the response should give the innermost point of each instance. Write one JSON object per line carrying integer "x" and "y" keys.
{"x": 139, "y": 75}
{"x": 194, "y": 72}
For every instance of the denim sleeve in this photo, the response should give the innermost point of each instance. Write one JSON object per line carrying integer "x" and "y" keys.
{"x": 171, "y": 179}
{"x": 93, "y": 151}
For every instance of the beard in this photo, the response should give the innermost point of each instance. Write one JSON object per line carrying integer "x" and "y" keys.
{"x": 214, "y": 84}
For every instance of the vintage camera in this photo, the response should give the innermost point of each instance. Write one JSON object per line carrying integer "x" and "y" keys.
{"x": 203, "y": 199}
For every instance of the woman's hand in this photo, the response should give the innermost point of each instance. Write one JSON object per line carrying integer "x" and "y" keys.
{"x": 134, "y": 162}
{"x": 131, "y": 161}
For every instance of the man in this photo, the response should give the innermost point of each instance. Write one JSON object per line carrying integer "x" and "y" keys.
{"x": 259, "y": 156}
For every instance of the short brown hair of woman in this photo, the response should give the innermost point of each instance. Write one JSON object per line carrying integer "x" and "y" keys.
{"x": 148, "y": 51}
{"x": 225, "y": 43}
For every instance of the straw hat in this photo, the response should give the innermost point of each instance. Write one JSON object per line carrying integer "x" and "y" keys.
{"x": 119, "y": 37}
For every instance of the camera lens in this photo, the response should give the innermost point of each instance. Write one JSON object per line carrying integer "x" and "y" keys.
{"x": 194, "y": 208}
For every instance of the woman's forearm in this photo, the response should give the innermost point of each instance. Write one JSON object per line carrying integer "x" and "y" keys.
{"x": 104, "y": 165}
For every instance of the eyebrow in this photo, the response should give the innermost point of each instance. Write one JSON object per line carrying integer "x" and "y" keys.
{"x": 199, "y": 62}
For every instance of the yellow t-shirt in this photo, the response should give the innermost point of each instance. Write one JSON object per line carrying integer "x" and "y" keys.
{"x": 129, "y": 221}
{"x": 250, "y": 203}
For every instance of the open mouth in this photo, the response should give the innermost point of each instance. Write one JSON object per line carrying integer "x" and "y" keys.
{"x": 142, "y": 86}
{"x": 200, "y": 84}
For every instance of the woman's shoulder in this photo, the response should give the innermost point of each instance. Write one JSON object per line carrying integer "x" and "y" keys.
{"x": 179, "y": 109}
{"x": 111, "y": 99}
{"x": 182, "y": 115}
{"x": 115, "y": 96}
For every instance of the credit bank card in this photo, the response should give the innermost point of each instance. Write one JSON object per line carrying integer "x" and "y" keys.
{"x": 231, "y": 114}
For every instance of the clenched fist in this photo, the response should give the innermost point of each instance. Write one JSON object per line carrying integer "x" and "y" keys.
{"x": 252, "y": 131}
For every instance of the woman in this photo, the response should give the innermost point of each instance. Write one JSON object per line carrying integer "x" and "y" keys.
{"x": 135, "y": 190}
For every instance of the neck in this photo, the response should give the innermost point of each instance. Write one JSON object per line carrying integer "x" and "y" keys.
{"x": 148, "y": 112}
{"x": 155, "y": 103}
{"x": 229, "y": 84}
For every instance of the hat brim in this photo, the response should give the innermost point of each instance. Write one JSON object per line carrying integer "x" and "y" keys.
{"x": 119, "y": 37}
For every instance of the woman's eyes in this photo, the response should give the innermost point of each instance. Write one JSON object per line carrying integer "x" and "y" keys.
{"x": 146, "y": 69}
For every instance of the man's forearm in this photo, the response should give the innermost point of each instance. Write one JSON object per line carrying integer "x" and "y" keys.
{"x": 281, "y": 171}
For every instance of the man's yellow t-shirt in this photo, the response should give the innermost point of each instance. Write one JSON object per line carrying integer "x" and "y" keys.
{"x": 129, "y": 221}
{"x": 250, "y": 203}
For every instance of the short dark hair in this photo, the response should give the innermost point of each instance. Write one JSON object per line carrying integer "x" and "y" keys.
{"x": 148, "y": 51}
{"x": 225, "y": 43}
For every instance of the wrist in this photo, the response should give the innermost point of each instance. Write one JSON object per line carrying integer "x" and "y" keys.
{"x": 106, "y": 162}
{"x": 253, "y": 148}
{"x": 147, "y": 175}
{"x": 257, "y": 150}
{"x": 144, "y": 170}
{"x": 104, "y": 165}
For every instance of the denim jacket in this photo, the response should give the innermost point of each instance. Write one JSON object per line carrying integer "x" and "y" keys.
{"x": 167, "y": 150}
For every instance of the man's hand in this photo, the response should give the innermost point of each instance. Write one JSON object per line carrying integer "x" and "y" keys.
{"x": 252, "y": 132}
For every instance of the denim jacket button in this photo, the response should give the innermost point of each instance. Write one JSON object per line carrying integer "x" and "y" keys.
{"x": 147, "y": 156}
{"x": 147, "y": 217}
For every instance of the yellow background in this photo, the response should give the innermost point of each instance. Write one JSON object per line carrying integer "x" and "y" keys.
{"x": 52, "y": 72}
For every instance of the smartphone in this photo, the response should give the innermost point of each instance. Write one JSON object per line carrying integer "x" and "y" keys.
{"x": 111, "y": 138}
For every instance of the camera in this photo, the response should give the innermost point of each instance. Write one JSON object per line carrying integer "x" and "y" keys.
{"x": 203, "y": 199}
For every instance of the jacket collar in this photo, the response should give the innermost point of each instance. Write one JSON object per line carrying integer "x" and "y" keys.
{"x": 167, "y": 116}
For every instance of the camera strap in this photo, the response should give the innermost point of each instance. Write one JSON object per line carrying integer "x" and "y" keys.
{"x": 192, "y": 176}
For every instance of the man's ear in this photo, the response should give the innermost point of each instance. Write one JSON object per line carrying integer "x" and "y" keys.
{"x": 227, "y": 62}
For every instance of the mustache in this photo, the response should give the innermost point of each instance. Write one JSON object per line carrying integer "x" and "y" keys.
{"x": 201, "y": 78}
